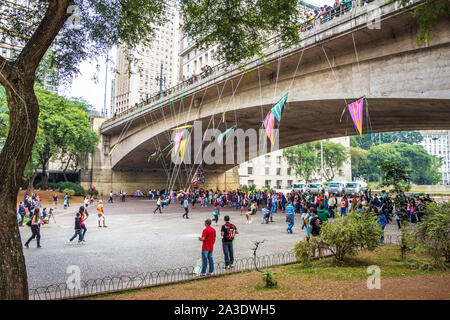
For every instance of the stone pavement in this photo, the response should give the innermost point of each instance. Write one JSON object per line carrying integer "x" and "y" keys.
{"x": 138, "y": 241}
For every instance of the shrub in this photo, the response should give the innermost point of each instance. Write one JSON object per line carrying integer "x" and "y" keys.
{"x": 269, "y": 281}
{"x": 79, "y": 191}
{"x": 70, "y": 192}
{"x": 51, "y": 185}
{"x": 433, "y": 234}
{"x": 93, "y": 192}
{"x": 350, "y": 234}
{"x": 303, "y": 252}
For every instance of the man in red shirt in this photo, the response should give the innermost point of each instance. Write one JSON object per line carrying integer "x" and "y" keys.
{"x": 208, "y": 238}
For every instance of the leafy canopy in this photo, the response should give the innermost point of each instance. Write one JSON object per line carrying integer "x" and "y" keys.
{"x": 305, "y": 159}
{"x": 240, "y": 27}
{"x": 92, "y": 29}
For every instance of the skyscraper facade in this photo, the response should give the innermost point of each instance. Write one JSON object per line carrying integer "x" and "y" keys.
{"x": 139, "y": 69}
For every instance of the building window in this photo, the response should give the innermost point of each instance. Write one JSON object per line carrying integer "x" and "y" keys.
{"x": 250, "y": 182}
{"x": 267, "y": 183}
{"x": 266, "y": 171}
{"x": 278, "y": 160}
{"x": 249, "y": 170}
{"x": 278, "y": 171}
{"x": 289, "y": 171}
{"x": 289, "y": 183}
{"x": 267, "y": 159}
{"x": 279, "y": 184}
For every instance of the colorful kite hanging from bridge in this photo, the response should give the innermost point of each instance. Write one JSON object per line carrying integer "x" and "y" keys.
{"x": 274, "y": 113}
{"x": 198, "y": 176}
{"x": 182, "y": 127}
{"x": 182, "y": 147}
{"x": 225, "y": 134}
{"x": 356, "y": 111}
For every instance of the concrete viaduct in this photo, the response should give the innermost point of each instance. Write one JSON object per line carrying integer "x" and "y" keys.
{"x": 406, "y": 85}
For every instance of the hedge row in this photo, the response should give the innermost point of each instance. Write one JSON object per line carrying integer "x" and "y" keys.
{"x": 63, "y": 185}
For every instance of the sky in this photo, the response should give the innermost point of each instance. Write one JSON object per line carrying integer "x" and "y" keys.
{"x": 93, "y": 92}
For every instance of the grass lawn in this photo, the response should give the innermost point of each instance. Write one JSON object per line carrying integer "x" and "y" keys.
{"x": 323, "y": 280}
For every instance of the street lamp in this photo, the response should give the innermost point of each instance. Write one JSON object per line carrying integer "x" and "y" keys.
{"x": 160, "y": 79}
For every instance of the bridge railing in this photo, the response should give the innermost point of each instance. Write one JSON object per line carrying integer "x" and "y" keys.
{"x": 213, "y": 73}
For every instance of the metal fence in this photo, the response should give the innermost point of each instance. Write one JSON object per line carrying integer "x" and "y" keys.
{"x": 126, "y": 282}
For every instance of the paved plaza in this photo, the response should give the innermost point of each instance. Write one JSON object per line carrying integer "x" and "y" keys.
{"x": 138, "y": 241}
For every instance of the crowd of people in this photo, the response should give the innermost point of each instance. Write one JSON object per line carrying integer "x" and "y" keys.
{"x": 311, "y": 209}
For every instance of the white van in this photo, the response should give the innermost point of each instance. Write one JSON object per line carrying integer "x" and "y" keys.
{"x": 336, "y": 188}
{"x": 314, "y": 188}
{"x": 298, "y": 187}
{"x": 352, "y": 188}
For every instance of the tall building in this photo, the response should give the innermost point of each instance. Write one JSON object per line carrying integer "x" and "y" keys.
{"x": 11, "y": 48}
{"x": 272, "y": 170}
{"x": 139, "y": 69}
{"x": 437, "y": 143}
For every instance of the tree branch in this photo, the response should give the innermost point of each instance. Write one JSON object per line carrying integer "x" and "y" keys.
{"x": 53, "y": 21}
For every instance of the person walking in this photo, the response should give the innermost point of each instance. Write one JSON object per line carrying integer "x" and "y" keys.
{"x": 228, "y": 232}
{"x": 290, "y": 214}
{"x": 332, "y": 205}
{"x": 101, "y": 215}
{"x": 382, "y": 222}
{"x": 77, "y": 229}
{"x": 83, "y": 216}
{"x": 55, "y": 199}
{"x": 22, "y": 212}
{"x": 158, "y": 205}
{"x": 216, "y": 213}
{"x": 208, "y": 238}
{"x": 315, "y": 223}
{"x": 186, "y": 208}
{"x": 110, "y": 197}
{"x": 35, "y": 228}
{"x": 344, "y": 205}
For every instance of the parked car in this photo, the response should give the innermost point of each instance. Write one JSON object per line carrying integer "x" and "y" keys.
{"x": 314, "y": 188}
{"x": 299, "y": 187}
{"x": 336, "y": 188}
{"x": 352, "y": 188}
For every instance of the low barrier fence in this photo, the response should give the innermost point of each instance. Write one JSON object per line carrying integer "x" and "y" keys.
{"x": 127, "y": 282}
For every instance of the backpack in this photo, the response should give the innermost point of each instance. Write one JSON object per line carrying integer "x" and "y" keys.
{"x": 231, "y": 231}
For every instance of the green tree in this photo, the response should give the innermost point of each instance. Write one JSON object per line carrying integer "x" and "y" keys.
{"x": 241, "y": 27}
{"x": 396, "y": 174}
{"x": 303, "y": 159}
{"x": 334, "y": 156}
{"x": 358, "y": 159}
{"x": 348, "y": 235}
{"x": 424, "y": 167}
{"x": 427, "y": 13}
{"x": 88, "y": 29}
{"x": 367, "y": 141}
{"x": 433, "y": 234}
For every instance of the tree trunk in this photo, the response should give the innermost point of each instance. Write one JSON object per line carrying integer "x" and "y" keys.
{"x": 31, "y": 183}
{"x": 17, "y": 78}
{"x": 24, "y": 112}
{"x": 65, "y": 169}
{"x": 44, "y": 175}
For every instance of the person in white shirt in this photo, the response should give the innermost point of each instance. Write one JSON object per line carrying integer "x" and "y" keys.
{"x": 158, "y": 205}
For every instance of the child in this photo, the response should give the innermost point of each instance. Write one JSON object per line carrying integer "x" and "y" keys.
{"x": 216, "y": 214}
{"x": 77, "y": 229}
